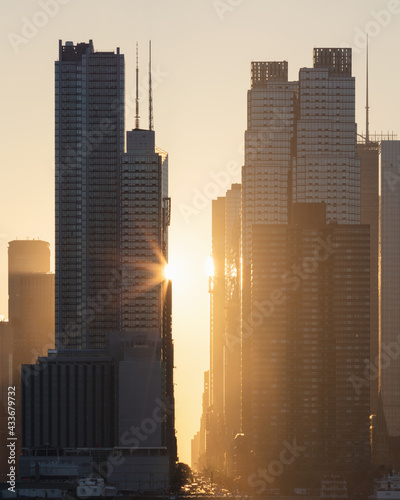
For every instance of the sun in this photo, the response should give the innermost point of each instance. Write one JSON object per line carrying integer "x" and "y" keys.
{"x": 210, "y": 267}
{"x": 168, "y": 272}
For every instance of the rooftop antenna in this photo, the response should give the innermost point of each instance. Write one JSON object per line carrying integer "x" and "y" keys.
{"x": 367, "y": 105}
{"x": 150, "y": 92}
{"x": 137, "y": 88}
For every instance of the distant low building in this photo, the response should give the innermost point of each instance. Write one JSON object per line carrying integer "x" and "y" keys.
{"x": 29, "y": 332}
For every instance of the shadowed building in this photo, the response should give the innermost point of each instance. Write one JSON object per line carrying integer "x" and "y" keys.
{"x": 310, "y": 336}
{"x": 89, "y": 141}
{"x": 114, "y": 347}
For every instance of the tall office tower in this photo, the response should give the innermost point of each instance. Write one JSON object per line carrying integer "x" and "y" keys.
{"x": 271, "y": 113}
{"x": 310, "y": 307}
{"x": 145, "y": 217}
{"x": 301, "y": 148}
{"x": 29, "y": 331}
{"x": 224, "y": 411}
{"x": 231, "y": 377}
{"x": 368, "y": 152}
{"x": 89, "y": 141}
{"x": 327, "y": 167}
{"x": 110, "y": 379}
{"x": 145, "y": 295}
{"x": 215, "y": 446}
{"x": 390, "y": 290}
{"x": 269, "y": 143}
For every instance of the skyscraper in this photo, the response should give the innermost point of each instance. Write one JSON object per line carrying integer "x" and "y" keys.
{"x": 301, "y": 155}
{"x": 89, "y": 141}
{"x": 202, "y": 460}
{"x": 390, "y": 291}
{"x": 231, "y": 379}
{"x": 269, "y": 143}
{"x": 113, "y": 363}
{"x": 327, "y": 167}
{"x": 215, "y": 445}
{"x": 223, "y": 415}
{"x": 368, "y": 151}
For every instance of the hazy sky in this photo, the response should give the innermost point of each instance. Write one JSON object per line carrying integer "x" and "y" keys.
{"x": 202, "y": 51}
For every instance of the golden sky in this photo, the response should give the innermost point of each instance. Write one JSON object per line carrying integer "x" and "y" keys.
{"x": 202, "y": 51}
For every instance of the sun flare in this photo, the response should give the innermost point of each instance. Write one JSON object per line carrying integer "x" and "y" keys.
{"x": 210, "y": 266}
{"x": 169, "y": 273}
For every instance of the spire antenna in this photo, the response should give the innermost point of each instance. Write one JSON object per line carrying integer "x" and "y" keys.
{"x": 367, "y": 105}
{"x": 137, "y": 88}
{"x": 150, "y": 92}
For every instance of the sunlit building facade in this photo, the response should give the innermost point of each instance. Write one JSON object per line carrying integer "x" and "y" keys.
{"x": 202, "y": 439}
{"x": 223, "y": 415}
{"x": 326, "y": 167}
{"x": 390, "y": 286}
{"x": 269, "y": 147}
{"x": 29, "y": 331}
{"x": 215, "y": 445}
{"x": 301, "y": 347}
{"x": 231, "y": 379}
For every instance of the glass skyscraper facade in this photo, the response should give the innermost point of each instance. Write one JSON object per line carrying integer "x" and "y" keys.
{"x": 89, "y": 141}
{"x": 112, "y": 368}
{"x": 326, "y": 167}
